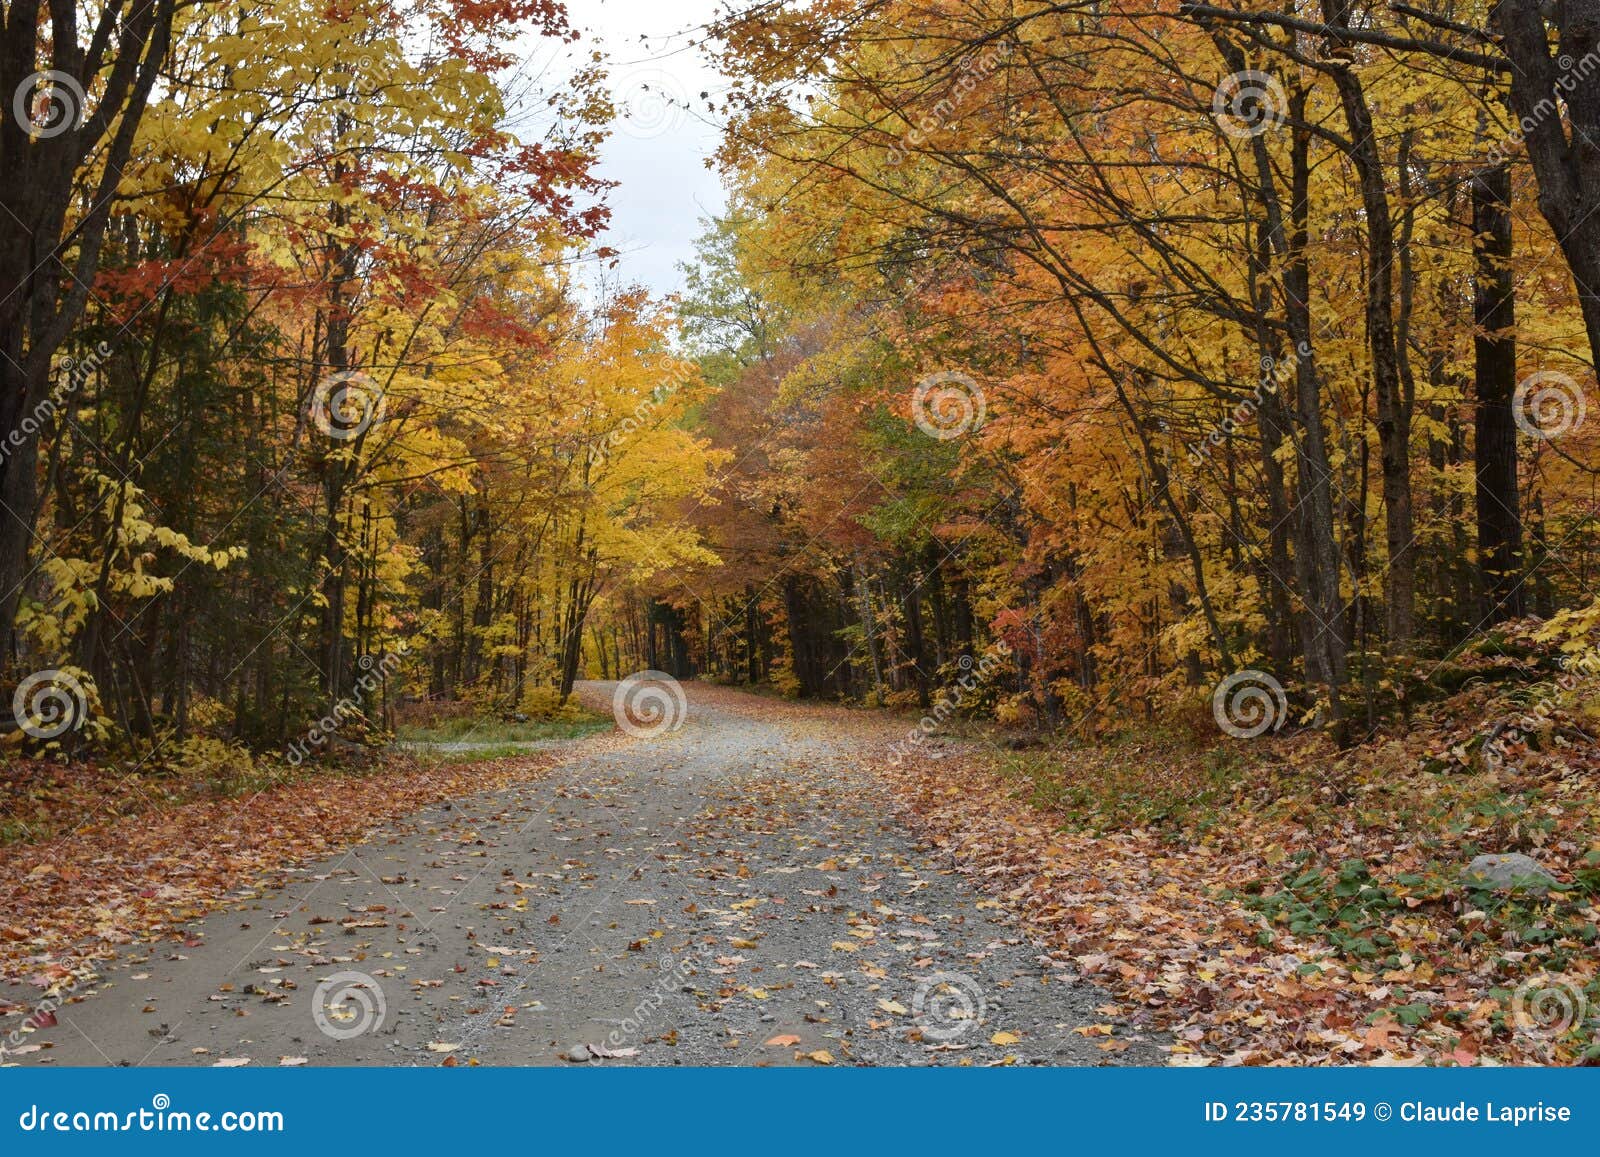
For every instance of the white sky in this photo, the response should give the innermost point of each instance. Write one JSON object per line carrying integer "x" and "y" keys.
{"x": 658, "y": 145}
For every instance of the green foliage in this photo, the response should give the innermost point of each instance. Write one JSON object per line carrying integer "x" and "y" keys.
{"x": 1344, "y": 905}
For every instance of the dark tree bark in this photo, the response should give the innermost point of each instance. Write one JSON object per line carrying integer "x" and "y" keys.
{"x": 1316, "y": 557}
{"x": 961, "y": 595}
{"x": 911, "y": 606}
{"x": 1567, "y": 166}
{"x": 41, "y": 296}
{"x": 1495, "y": 383}
{"x": 752, "y": 636}
{"x": 1394, "y": 420}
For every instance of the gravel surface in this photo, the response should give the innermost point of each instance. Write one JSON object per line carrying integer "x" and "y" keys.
{"x": 735, "y": 891}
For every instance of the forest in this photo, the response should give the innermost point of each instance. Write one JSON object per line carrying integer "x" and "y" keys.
{"x": 1162, "y": 344}
{"x": 1073, "y": 374}
{"x": 1157, "y": 344}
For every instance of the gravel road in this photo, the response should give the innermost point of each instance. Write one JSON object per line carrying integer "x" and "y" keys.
{"x": 734, "y": 891}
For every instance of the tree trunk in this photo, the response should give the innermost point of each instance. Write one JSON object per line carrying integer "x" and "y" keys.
{"x": 128, "y": 47}
{"x": 1566, "y": 167}
{"x": 1495, "y": 383}
{"x": 1394, "y": 421}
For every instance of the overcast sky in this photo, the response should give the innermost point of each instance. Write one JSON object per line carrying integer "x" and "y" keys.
{"x": 658, "y": 147}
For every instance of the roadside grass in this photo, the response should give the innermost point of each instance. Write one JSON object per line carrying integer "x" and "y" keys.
{"x": 465, "y": 738}
{"x": 1148, "y": 779}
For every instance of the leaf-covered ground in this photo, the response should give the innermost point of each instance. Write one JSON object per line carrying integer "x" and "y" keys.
{"x": 1278, "y": 902}
{"x": 1265, "y": 902}
{"x": 734, "y": 891}
{"x": 132, "y": 860}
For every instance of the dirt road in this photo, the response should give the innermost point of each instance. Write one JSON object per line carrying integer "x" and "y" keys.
{"x": 732, "y": 891}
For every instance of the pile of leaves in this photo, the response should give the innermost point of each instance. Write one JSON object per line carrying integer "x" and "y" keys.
{"x": 1276, "y": 901}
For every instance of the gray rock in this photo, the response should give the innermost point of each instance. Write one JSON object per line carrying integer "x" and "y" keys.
{"x": 1511, "y": 872}
{"x": 579, "y": 1054}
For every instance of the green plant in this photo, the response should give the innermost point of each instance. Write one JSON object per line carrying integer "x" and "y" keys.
{"x": 1345, "y": 907}
{"x": 226, "y": 768}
